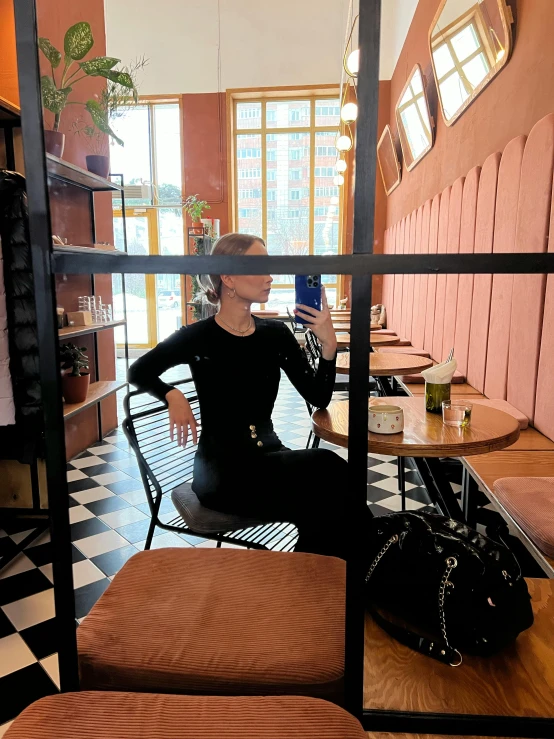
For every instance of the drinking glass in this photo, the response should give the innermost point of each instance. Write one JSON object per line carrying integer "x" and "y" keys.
{"x": 456, "y": 413}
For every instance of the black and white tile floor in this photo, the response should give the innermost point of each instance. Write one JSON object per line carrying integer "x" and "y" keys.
{"x": 109, "y": 520}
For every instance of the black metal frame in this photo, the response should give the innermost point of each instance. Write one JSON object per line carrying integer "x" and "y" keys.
{"x": 177, "y": 468}
{"x": 362, "y": 265}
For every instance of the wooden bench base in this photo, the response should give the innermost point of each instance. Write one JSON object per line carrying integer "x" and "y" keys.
{"x": 519, "y": 681}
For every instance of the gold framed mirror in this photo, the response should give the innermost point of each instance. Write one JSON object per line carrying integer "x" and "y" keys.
{"x": 414, "y": 121}
{"x": 470, "y": 42}
{"x": 388, "y": 161}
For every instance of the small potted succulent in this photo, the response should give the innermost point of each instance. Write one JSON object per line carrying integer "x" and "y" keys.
{"x": 195, "y": 208}
{"x": 75, "y": 384}
{"x": 78, "y": 41}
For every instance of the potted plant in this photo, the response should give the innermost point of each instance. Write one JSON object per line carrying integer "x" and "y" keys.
{"x": 75, "y": 384}
{"x": 78, "y": 41}
{"x": 195, "y": 208}
{"x": 114, "y": 102}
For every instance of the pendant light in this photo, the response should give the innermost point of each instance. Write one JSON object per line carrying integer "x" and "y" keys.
{"x": 340, "y": 166}
{"x": 338, "y": 179}
{"x": 344, "y": 143}
{"x": 349, "y": 112}
{"x": 353, "y": 63}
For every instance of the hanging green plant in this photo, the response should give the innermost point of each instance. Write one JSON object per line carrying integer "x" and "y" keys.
{"x": 78, "y": 41}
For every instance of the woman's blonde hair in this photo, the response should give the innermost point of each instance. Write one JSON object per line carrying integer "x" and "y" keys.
{"x": 233, "y": 244}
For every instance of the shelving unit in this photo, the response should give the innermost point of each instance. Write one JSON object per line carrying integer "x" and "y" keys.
{"x": 9, "y": 119}
{"x": 69, "y": 332}
{"x": 97, "y": 391}
{"x": 64, "y": 171}
{"x": 70, "y": 249}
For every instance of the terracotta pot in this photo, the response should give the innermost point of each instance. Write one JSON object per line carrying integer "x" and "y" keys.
{"x": 98, "y": 164}
{"x": 54, "y": 141}
{"x": 198, "y": 227}
{"x": 75, "y": 389}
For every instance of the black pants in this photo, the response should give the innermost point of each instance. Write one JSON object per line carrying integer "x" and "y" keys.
{"x": 308, "y": 488}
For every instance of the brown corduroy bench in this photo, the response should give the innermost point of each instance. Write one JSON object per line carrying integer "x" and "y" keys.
{"x": 147, "y": 716}
{"x": 219, "y": 621}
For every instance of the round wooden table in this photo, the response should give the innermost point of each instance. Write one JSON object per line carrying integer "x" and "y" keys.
{"x": 387, "y": 364}
{"x": 340, "y": 325}
{"x": 424, "y": 433}
{"x": 425, "y": 438}
{"x": 374, "y": 340}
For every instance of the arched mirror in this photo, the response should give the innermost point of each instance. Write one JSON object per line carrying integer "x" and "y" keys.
{"x": 388, "y": 161}
{"x": 415, "y": 125}
{"x": 470, "y": 42}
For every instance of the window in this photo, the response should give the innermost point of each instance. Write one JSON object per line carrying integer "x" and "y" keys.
{"x": 249, "y": 153}
{"x": 249, "y": 174}
{"x": 298, "y": 150}
{"x": 326, "y": 192}
{"x": 324, "y": 171}
{"x": 462, "y": 58}
{"x": 326, "y": 151}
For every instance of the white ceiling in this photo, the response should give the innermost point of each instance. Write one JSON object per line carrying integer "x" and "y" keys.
{"x": 263, "y": 42}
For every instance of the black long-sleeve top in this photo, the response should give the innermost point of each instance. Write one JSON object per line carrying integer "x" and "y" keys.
{"x": 236, "y": 379}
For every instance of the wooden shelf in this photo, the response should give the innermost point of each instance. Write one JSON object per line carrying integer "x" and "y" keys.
{"x": 97, "y": 392}
{"x": 69, "y": 332}
{"x": 9, "y": 113}
{"x": 59, "y": 169}
{"x": 70, "y": 249}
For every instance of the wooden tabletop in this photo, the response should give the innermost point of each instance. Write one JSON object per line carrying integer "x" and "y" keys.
{"x": 518, "y": 681}
{"x": 374, "y": 340}
{"x": 424, "y": 433}
{"x": 387, "y": 364}
{"x": 340, "y": 325}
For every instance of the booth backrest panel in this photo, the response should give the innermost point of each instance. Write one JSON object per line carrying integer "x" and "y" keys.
{"x": 422, "y": 247}
{"x": 399, "y": 279}
{"x": 465, "y": 282}
{"x": 544, "y": 406}
{"x": 482, "y": 284}
{"x": 388, "y": 280}
{"x": 507, "y": 196}
{"x": 440, "y": 299}
{"x": 407, "y": 300}
{"x": 417, "y": 278}
{"x": 533, "y": 219}
{"x": 432, "y": 279}
{"x": 452, "y": 247}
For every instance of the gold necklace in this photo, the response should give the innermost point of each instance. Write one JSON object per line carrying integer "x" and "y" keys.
{"x": 237, "y": 330}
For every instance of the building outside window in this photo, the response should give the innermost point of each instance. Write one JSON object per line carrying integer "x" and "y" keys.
{"x": 295, "y": 141}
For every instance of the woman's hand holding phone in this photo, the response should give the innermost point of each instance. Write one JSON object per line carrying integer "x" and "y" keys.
{"x": 181, "y": 418}
{"x": 321, "y": 324}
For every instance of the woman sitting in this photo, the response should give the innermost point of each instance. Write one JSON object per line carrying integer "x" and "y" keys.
{"x": 241, "y": 466}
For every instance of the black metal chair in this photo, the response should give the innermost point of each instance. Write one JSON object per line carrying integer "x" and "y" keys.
{"x": 166, "y": 470}
{"x": 297, "y": 328}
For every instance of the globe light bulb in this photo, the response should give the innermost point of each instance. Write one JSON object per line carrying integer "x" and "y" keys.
{"x": 349, "y": 112}
{"x": 353, "y": 63}
{"x": 338, "y": 179}
{"x": 340, "y": 166}
{"x": 344, "y": 143}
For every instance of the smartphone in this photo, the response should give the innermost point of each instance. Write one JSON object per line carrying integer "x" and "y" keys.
{"x": 308, "y": 292}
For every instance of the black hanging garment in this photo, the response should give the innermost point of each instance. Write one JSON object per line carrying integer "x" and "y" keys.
{"x": 441, "y": 588}
{"x": 24, "y": 441}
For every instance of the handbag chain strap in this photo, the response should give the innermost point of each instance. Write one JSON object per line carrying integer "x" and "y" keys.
{"x": 380, "y": 556}
{"x": 451, "y": 563}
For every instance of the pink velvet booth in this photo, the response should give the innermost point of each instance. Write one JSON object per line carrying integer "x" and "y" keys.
{"x": 500, "y": 325}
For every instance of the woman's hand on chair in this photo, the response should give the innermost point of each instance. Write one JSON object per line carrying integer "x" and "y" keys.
{"x": 181, "y": 418}
{"x": 321, "y": 324}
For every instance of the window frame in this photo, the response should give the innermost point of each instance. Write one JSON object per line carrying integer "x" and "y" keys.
{"x": 236, "y": 97}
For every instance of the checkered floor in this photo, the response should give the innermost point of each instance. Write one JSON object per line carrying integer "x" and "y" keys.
{"x": 109, "y": 521}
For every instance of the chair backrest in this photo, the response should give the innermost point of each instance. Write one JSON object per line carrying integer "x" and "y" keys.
{"x": 162, "y": 462}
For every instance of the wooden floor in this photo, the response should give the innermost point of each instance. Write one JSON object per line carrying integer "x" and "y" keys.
{"x": 519, "y": 681}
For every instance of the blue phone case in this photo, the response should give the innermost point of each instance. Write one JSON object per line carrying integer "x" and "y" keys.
{"x": 308, "y": 292}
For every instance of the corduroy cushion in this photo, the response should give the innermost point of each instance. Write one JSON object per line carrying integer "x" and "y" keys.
{"x": 147, "y": 716}
{"x": 503, "y": 405}
{"x": 530, "y": 502}
{"x": 218, "y": 621}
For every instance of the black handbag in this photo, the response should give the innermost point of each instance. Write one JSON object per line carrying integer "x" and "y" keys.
{"x": 441, "y": 588}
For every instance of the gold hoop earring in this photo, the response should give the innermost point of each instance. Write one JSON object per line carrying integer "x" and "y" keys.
{"x": 233, "y": 295}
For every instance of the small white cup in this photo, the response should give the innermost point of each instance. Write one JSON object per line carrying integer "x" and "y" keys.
{"x": 386, "y": 419}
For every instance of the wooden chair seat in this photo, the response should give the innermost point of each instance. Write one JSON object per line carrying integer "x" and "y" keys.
{"x": 530, "y": 502}
{"x": 205, "y": 520}
{"x": 518, "y": 681}
{"x": 218, "y": 622}
{"x": 144, "y": 716}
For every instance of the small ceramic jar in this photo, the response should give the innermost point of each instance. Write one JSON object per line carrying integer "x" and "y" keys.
{"x": 386, "y": 419}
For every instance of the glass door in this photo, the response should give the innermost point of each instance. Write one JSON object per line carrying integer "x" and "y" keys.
{"x": 142, "y": 238}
